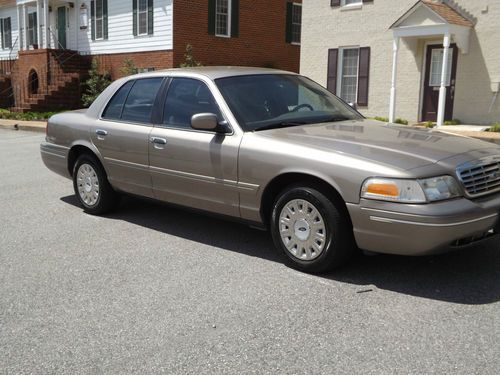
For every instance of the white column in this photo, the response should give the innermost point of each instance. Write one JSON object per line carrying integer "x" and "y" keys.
{"x": 442, "y": 89}
{"x": 46, "y": 24}
{"x": 392, "y": 108}
{"x": 25, "y": 27}
{"x": 19, "y": 28}
{"x": 39, "y": 23}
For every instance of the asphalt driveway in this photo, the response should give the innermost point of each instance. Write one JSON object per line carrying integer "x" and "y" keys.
{"x": 153, "y": 289}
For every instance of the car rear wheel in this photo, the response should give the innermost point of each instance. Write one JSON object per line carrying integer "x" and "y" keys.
{"x": 92, "y": 187}
{"x": 311, "y": 230}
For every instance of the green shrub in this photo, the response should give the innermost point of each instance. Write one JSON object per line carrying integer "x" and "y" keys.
{"x": 383, "y": 119}
{"x": 189, "y": 60}
{"x": 401, "y": 121}
{"x": 452, "y": 122}
{"x": 26, "y": 116}
{"x": 128, "y": 68}
{"x": 429, "y": 124}
{"x": 96, "y": 84}
{"x": 495, "y": 128}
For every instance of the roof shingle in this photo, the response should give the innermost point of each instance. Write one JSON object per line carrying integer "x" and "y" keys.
{"x": 449, "y": 14}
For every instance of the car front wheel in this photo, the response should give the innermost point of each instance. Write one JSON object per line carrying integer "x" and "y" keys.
{"x": 92, "y": 187}
{"x": 311, "y": 230}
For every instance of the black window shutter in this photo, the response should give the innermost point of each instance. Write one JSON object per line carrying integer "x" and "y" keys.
{"x": 335, "y": 3}
{"x": 150, "y": 17}
{"x": 8, "y": 37}
{"x": 235, "y": 18}
{"x": 105, "y": 18}
{"x": 211, "y": 17}
{"x": 134, "y": 16}
{"x": 333, "y": 57}
{"x": 363, "y": 75}
{"x": 289, "y": 14}
{"x": 92, "y": 18}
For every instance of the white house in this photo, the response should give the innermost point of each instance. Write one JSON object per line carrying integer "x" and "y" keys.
{"x": 426, "y": 60}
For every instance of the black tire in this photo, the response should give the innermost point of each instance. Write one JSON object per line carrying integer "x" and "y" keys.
{"x": 338, "y": 244}
{"x": 107, "y": 199}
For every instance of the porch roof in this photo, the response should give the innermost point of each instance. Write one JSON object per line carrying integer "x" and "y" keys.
{"x": 431, "y": 18}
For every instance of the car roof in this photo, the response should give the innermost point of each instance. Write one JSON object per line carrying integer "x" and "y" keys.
{"x": 213, "y": 72}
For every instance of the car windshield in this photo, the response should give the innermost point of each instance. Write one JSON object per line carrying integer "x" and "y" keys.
{"x": 269, "y": 101}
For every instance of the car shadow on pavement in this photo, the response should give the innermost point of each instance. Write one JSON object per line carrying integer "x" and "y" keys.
{"x": 469, "y": 276}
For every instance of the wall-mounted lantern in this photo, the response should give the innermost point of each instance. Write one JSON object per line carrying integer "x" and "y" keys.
{"x": 84, "y": 17}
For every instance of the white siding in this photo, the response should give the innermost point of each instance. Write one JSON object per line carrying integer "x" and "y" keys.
{"x": 120, "y": 22}
{"x": 12, "y": 13}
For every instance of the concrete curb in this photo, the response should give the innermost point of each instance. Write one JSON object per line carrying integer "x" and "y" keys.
{"x": 35, "y": 126}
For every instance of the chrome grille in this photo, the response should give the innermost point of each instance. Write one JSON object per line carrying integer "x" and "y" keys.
{"x": 481, "y": 177}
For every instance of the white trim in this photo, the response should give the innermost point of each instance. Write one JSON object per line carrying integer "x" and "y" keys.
{"x": 95, "y": 20}
{"x": 229, "y": 14}
{"x": 340, "y": 68}
{"x": 293, "y": 6}
{"x": 357, "y": 5}
{"x": 139, "y": 20}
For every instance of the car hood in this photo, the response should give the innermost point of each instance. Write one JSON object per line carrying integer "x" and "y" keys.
{"x": 399, "y": 146}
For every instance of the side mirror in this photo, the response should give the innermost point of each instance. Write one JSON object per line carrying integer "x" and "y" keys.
{"x": 353, "y": 106}
{"x": 207, "y": 122}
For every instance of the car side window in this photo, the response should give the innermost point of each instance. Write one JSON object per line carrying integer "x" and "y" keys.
{"x": 115, "y": 106}
{"x": 185, "y": 98}
{"x": 141, "y": 98}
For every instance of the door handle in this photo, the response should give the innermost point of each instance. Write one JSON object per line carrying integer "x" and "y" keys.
{"x": 101, "y": 132}
{"x": 159, "y": 141}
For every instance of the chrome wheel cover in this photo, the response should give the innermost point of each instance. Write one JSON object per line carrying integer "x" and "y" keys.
{"x": 87, "y": 184}
{"x": 302, "y": 229}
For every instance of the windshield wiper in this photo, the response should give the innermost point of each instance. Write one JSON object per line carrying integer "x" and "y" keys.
{"x": 283, "y": 124}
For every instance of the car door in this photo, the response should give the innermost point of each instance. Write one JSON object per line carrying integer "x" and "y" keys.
{"x": 190, "y": 167}
{"x": 122, "y": 135}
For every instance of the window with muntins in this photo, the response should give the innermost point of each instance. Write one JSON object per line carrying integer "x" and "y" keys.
{"x": 99, "y": 19}
{"x": 437, "y": 67}
{"x": 142, "y": 16}
{"x": 296, "y": 23}
{"x": 6, "y": 31}
{"x": 32, "y": 29}
{"x": 222, "y": 17}
{"x": 351, "y": 2}
{"x": 348, "y": 74}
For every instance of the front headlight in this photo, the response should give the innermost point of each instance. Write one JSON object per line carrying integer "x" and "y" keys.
{"x": 410, "y": 191}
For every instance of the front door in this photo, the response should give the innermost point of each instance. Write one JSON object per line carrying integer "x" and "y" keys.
{"x": 193, "y": 168}
{"x": 61, "y": 27}
{"x": 432, "y": 83}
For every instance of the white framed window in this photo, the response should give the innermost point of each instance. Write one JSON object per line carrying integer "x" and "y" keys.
{"x": 296, "y": 23}
{"x": 346, "y": 3}
{"x": 437, "y": 67}
{"x": 142, "y": 17}
{"x": 223, "y": 18}
{"x": 348, "y": 71}
{"x": 99, "y": 19}
{"x": 32, "y": 29}
{"x": 6, "y": 31}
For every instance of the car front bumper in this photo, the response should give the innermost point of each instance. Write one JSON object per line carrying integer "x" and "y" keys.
{"x": 395, "y": 228}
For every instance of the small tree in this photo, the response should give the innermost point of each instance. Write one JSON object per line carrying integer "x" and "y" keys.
{"x": 128, "y": 68}
{"x": 96, "y": 83}
{"x": 189, "y": 60}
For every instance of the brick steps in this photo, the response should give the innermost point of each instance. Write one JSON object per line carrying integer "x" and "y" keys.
{"x": 67, "y": 71}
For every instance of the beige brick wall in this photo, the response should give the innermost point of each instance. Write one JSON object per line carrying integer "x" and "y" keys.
{"x": 325, "y": 27}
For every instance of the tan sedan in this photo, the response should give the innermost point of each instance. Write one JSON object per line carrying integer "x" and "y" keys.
{"x": 277, "y": 150}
